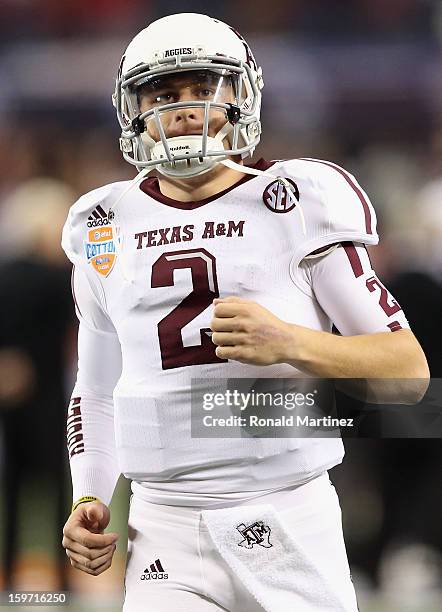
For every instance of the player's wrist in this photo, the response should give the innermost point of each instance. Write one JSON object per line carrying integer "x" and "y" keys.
{"x": 298, "y": 351}
{"x": 84, "y": 500}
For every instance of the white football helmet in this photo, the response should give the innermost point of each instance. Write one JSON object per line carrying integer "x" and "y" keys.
{"x": 198, "y": 48}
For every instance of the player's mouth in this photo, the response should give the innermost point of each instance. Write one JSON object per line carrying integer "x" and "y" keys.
{"x": 176, "y": 133}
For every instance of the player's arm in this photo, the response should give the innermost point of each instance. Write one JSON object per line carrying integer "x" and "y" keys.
{"x": 375, "y": 340}
{"x": 90, "y": 433}
{"x": 369, "y": 348}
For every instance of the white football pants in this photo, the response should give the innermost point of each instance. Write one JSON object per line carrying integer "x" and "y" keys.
{"x": 173, "y": 565}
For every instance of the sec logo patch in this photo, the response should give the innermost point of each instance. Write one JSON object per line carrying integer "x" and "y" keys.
{"x": 278, "y": 199}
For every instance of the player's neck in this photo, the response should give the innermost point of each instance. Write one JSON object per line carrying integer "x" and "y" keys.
{"x": 197, "y": 188}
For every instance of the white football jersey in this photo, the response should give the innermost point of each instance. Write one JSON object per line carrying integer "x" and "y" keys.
{"x": 151, "y": 289}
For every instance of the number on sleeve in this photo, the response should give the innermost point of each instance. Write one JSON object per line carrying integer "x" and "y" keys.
{"x": 389, "y": 309}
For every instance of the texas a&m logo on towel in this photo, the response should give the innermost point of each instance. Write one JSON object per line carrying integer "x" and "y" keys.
{"x": 256, "y": 533}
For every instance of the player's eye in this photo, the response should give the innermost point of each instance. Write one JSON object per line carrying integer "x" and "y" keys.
{"x": 163, "y": 98}
{"x": 204, "y": 92}
{"x": 160, "y": 98}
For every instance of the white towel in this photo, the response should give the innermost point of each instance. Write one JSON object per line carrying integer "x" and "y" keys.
{"x": 270, "y": 563}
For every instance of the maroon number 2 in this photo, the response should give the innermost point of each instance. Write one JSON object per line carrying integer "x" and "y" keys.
{"x": 205, "y": 288}
{"x": 389, "y": 309}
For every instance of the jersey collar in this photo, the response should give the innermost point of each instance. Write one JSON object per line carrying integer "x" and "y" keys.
{"x": 150, "y": 186}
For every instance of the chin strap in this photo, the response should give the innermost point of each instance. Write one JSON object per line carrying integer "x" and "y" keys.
{"x": 281, "y": 180}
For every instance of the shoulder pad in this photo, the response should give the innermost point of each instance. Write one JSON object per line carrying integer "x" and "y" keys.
{"x": 89, "y": 214}
{"x": 335, "y": 206}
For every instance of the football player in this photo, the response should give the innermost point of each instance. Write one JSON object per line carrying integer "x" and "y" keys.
{"x": 210, "y": 270}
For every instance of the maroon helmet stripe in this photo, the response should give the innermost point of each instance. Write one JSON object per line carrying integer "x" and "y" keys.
{"x": 353, "y": 257}
{"x": 354, "y": 186}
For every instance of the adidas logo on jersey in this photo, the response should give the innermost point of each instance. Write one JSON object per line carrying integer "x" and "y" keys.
{"x": 154, "y": 572}
{"x": 99, "y": 217}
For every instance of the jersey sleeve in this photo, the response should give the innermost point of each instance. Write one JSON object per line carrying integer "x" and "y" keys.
{"x": 336, "y": 209}
{"x": 74, "y": 231}
{"x": 81, "y": 232}
{"x": 90, "y": 418}
{"x": 348, "y": 290}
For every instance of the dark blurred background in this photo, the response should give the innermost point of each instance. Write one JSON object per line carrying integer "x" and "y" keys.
{"x": 358, "y": 82}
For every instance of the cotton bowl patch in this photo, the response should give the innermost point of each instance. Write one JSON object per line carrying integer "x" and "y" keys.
{"x": 100, "y": 249}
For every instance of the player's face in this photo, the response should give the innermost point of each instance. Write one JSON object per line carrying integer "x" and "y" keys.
{"x": 190, "y": 86}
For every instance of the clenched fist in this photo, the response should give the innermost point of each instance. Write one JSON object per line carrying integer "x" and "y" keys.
{"x": 247, "y": 332}
{"x": 87, "y": 546}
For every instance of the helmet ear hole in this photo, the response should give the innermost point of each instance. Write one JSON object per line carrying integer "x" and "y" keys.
{"x": 233, "y": 113}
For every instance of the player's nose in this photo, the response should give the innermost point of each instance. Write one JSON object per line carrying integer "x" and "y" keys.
{"x": 185, "y": 121}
